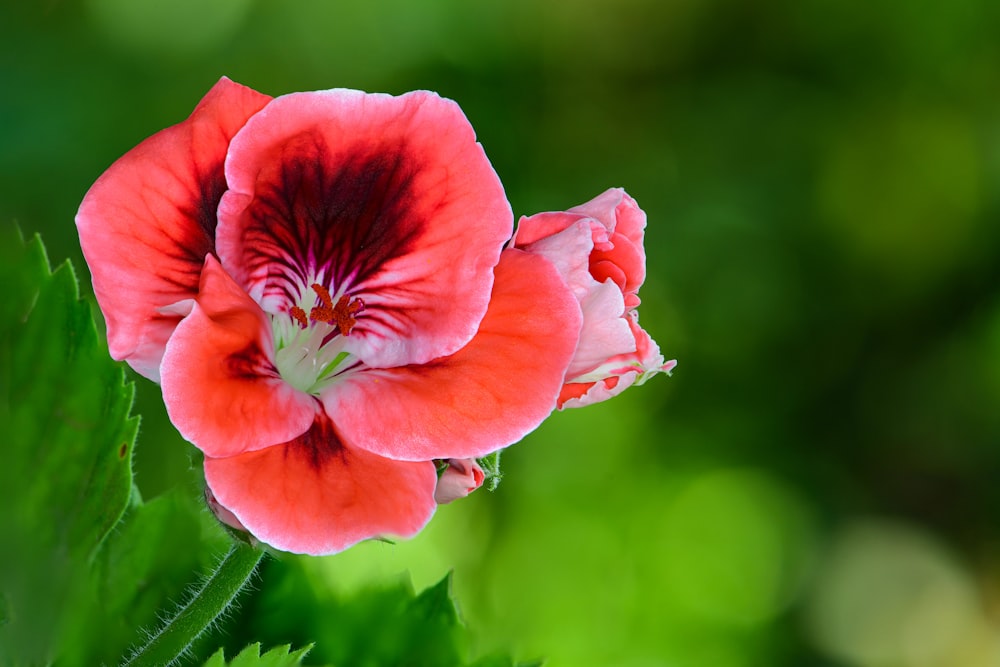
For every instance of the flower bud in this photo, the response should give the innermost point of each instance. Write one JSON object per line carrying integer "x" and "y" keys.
{"x": 598, "y": 250}
{"x": 459, "y": 479}
{"x": 221, "y": 513}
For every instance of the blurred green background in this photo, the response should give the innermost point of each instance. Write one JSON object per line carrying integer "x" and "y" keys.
{"x": 816, "y": 485}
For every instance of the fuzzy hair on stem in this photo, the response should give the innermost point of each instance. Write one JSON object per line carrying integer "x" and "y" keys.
{"x": 206, "y": 604}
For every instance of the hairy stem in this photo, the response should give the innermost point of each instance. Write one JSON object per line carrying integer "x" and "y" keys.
{"x": 207, "y": 602}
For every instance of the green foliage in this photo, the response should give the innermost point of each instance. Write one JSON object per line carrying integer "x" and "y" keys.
{"x": 379, "y": 626}
{"x": 491, "y": 467}
{"x": 280, "y": 656}
{"x": 65, "y": 467}
{"x": 500, "y": 660}
{"x": 139, "y": 570}
{"x": 76, "y": 590}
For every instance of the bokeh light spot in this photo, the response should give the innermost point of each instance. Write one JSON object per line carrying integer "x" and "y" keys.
{"x": 890, "y": 594}
{"x": 736, "y": 544}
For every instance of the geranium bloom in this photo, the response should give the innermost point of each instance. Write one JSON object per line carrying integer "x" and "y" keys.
{"x": 319, "y": 283}
{"x": 598, "y": 249}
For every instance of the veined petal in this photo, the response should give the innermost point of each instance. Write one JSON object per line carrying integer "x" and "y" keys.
{"x": 220, "y": 385}
{"x": 316, "y": 495}
{"x": 487, "y": 395}
{"x": 148, "y": 222}
{"x": 387, "y": 199}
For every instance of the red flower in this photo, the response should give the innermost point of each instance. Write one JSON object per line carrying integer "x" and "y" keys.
{"x": 598, "y": 249}
{"x": 319, "y": 284}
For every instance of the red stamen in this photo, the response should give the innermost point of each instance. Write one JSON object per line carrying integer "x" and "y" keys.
{"x": 299, "y": 316}
{"x": 345, "y": 311}
{"x": 341, "y": 315}
{"x": 323, "y": 312}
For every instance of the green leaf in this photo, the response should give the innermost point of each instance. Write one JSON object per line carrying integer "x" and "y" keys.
{"x": 65, "y": 467}
{"x": 435, "y": 605}
{"x": 280, "y": 656}
{"x": 139, "y": 571}
{"x": 382, "y": 626}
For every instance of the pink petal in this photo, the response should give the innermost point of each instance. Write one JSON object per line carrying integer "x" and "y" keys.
{"x": 531, "y": 229}
{"x": 625, "y": 225}
{"x": 221, "y": 513}
{"x": 485, "y": 396}
{"x": 577, "y": 395}
{"x": 619, "y": 213}
{"x": 459, "y": 479}
{"x": 572, "y": 394}
{"x": 628, "y": 260}
{"x": 605, "y": 270}
{"x": 595, "y": 392}
{"x": 148, "y": 222}
{"x": 220, "y": 385}
{"x": 387, "y": 199}
{"x": 316, "y": 495}
{"x": 605, "y": 333}
{"x": 617, "y": 373}
{"x": 568, "y": 247}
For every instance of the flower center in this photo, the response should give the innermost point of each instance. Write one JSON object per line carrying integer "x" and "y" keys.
{"x": 309, "y": 351}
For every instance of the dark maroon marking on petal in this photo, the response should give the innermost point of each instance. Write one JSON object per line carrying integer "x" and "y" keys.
{"x": 344, "y": 219}
{"x": 187, "y": 245}
{"x": 250, "y": 363}
{"x": 318, "y": 445}
{"x": 212, "y": 185}
{"x": 204, "y": 210}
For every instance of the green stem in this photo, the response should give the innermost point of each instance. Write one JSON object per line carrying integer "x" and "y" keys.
{"x": 205, "y": 605}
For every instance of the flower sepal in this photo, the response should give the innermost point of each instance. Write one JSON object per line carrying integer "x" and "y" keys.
{"x": 491, "y": 468}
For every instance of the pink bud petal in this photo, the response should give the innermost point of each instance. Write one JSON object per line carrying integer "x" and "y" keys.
{"x": 221, "y": 513}
{"x": 460, "y": 478}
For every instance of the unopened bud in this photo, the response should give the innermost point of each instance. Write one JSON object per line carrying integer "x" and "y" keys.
{"x": 459, "y": 479}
